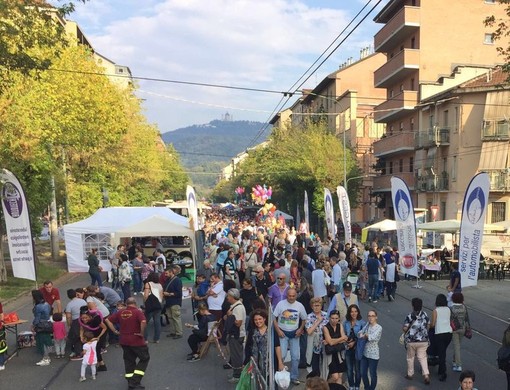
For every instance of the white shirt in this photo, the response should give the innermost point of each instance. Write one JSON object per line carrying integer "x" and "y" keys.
{"x": 289, "y": 314}
{"x": 319, "y": 288}
{"x": 336, "y": 274}
{"x": 215, "y": 303}
{"x": 239, "y": 312}
{"x": 443, "y": 320}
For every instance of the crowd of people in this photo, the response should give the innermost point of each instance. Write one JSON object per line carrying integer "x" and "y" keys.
{"x": 253, "y": 272}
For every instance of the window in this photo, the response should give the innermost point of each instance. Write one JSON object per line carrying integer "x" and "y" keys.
{"x": 431, "y": 121}
{"x": 445, "y": 118}
{"x": 411, "y": 124}
{"x": 401, "y": 87}
{"x": 489, "y": 39}
{"x": 411, "y": 164}
{"x": 391, "y": 167}
{"x": 490, "y": 1}
{"x": 413, "y": 43}
{"x": 412, "y": 85}
{"x": 443, "y": 210}
{"x": 391, "y": 130}
{"x": 454, "y": 168}
{"x": 498, "y": 212}
{"x": 401, "y": 126}
{"x": 401, "y": 165}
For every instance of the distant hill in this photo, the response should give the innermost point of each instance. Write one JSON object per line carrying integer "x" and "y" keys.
{"x": 208, "y": 148}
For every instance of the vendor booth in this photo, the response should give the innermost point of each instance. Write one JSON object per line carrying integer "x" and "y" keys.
{"x": 106, "y": 226}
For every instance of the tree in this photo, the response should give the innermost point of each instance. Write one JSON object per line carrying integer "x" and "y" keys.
{"x": 298, "y": 159}
{"x": 502, "y": 33}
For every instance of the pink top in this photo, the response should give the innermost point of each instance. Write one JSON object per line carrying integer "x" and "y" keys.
{"x": 59, "y": 330}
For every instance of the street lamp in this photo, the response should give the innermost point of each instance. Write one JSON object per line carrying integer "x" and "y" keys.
{"x": 357, "y": 177}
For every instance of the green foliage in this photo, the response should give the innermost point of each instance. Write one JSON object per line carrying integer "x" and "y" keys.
{"x": 295, "y": 160}
{"x": 502, "y": 34}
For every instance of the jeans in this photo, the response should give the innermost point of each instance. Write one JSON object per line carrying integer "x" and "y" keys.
{"x": 154, "y": 315}
{"x": 353, "y": 368}
{"x": 96, "y": 277}
{"x": 373, "y": 281}
{"x": 126, "y": 290}
{"x": 442, "y": 341}
{"x": 391, "y": 287}
{"x": 380, "y": 288}
{"x": 137, "y": 280}
{"x": 367, "y": 365}
{"x": 293, "y": 343}
{"x": 302, "y": 349}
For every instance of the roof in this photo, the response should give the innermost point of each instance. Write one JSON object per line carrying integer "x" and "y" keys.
{"x": 494, "y": 77}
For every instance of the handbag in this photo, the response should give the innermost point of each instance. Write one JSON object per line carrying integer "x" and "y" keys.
{"x": 360, "y": 344}
{"x": 43, "y": 327}
{"x": 327, "y": 279}
{"x": 402, "y": 338}
{"x": 152, "y": 303}
{"x": 468, "y": 333}
{"x": 331, "y": 349}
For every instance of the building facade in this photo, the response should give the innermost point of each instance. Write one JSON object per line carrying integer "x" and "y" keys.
{"x": 423, "y": 41}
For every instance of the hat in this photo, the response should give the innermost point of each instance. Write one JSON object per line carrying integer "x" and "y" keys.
{"x": 234, "y": 293}
{"x": 347, "y": 286}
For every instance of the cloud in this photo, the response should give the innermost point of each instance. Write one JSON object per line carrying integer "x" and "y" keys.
{"x": 264, "y": 44}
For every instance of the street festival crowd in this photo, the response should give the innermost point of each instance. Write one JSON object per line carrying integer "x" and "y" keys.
{"x": 254, "y": 269}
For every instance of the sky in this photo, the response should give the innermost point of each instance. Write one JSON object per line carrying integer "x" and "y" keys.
{"x": 259, "y": 44}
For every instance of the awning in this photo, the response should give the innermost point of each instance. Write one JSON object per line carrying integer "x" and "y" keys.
{"x": 493, "y": 156}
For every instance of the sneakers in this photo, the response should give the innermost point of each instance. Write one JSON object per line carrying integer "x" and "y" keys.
{"x": 93, "y": 377}
{"x": 194, "y": 358}
{"x": 374, "y": 301}
{"x": 44, "y": 362}
{"x": 72, "y": 355}
{"x": 83, "y": 379}
{"x": 295, "y": 382}
{"x": 233, "y": 380}
{"x": 457, "y": 368}
{"x": 2, "y": 368}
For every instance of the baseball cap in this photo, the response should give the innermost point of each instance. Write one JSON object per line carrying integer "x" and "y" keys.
{"x": 347, "y": 286}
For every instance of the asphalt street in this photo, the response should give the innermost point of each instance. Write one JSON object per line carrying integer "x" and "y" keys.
{"x": 168, "y": 369}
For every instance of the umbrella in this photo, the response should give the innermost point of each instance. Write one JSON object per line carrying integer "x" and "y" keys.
{"x": 453, "y": 226}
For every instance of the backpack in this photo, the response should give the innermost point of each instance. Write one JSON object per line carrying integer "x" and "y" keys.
{"x": 504, "y": 359}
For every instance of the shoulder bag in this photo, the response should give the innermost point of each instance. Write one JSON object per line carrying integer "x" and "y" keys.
{"x": 468, "y": 333}
{"x": 43, "y": 326}
{"x": 402, "y": 339}
{"x": 152, "y": 302}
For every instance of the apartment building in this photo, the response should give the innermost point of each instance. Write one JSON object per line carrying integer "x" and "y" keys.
{"x": 423, "y": 40}
{"x": 471, "y": 135}
{"x": 345, "y": 100}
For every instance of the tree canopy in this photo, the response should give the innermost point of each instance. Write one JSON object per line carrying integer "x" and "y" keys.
{"x": 296, "y": 159}
{"x": 501, "y": 34}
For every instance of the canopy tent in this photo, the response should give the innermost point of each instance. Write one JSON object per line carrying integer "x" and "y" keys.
{"x": 453, "y": 226}
{"x": 286, "y": 217}
{"x": 104, "y": 228}
{"x": 385, "y": 225}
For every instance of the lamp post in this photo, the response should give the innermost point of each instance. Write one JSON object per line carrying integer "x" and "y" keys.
{"x": 356, "y": 177}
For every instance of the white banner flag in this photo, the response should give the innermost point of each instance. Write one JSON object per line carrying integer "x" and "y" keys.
{"x": 192, "y": 207}
{"x": 345, "y": 210}
{"x": 307, "y": 212}
{"x": 471, "y": 228}
{"x": 17, "y": 222}
{"x": 406, "y": 226}
{"x": 329, "y": 213}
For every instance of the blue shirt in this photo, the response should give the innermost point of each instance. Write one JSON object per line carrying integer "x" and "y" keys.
{"x": 373, "y": 266}
{"x": 222, "y": 256}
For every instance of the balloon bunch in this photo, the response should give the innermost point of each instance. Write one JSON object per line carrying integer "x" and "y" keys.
{"x": 239, "y": 190}
{"x": 260, "y": 194}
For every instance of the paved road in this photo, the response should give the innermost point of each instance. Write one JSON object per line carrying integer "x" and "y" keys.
{"x": 168, "y": 368}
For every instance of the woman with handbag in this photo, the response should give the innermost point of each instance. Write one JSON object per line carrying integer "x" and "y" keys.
{"x": 42, "y": 327}
{"x": 440, "y": 321}
{"x": 334, "y": 347}
{"x": 372, "y": 334}
{"x": 416, "y": 339}
{"x": 459, "y": 321}
{"x": 353, "y": 324}
{"x": 153, "y": 301}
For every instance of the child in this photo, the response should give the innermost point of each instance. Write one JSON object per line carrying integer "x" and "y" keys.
{"x": 89, "y": 356}
{"x": 59, "y": 335}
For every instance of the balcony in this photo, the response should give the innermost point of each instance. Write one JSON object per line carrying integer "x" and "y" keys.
{"x": 382, "y": 183}
{"x": 495, "y": 130}
{"x": 435, "y": 137}
{"x": 399, "y": 142}
{"x": 430, "y": 182}
{"x": 396, "y": 107}
{"x": 401, "y": 66}
{"x": 405, "y": 23}
{"x": 499, "y": 179}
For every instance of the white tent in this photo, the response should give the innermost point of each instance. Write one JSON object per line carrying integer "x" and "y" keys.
{"x": 285, "y": 216}
{"x": 104, "y": 228}
{"x": 453, "y": 226}
{"x": 383, "y": 226}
